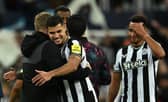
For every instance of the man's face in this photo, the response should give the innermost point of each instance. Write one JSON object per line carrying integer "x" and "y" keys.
{"x": 64, "y": 15}
{"x": 58, "y": 34}
{"x": 134, "y": 38}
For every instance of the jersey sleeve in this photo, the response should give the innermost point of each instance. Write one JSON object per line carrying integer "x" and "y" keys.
{"x": 75, "y": 47}
{"x": 117, "y": 67}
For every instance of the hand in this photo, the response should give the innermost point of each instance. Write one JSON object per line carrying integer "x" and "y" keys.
{"x": 139, "y": 29}
{"x": 41, "y": 78}
{"x": 9, "y": 76}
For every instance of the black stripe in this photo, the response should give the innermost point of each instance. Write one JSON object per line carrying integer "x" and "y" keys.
{"x": 63, "y": 91}
{"x": 84, "y": 89}
{"x": 124, "y": 52}
{"x": 134, "y": 83}
{"x": 73, "y": 90}
{"x": 88, "y": 95}
{"x": 146, "y": 78}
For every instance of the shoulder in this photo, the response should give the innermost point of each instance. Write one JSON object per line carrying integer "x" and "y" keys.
{"x": 90, "y": 47}
{"x": 49, "y": 46}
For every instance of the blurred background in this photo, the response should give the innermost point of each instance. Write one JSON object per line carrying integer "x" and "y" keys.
{"x": 107, "y": 27}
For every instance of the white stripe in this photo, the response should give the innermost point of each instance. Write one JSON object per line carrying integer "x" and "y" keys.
{"x": 140, "y": 78}
{"x": 129, "y": 93}
{"x": 79, "y": 92}
{"x": 118, "y": 61}
{"x": 122, "y": 85}
{"x": 68, "y": 91}
{"x": 122, "y": 82}
{"x": 151, "y": 76}
{"x": 156, "y": 67}
{"x": 90, "y": 88}
{"x": 130, "y": 76}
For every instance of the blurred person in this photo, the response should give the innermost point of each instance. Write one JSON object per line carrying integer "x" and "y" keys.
{"x": 160, "y": 26}
{"x": 135, "y": 65}
{"x": 105, "y": 44}
{"x": 40, "y": 31}
{"x": 163, "y": 81}
{"x": 63, "y": 12}
{"x": 100, "y": 74}
{"x": 16, "y": 91}
{"x": 75, "y": 56}
{"x": 162, "y": 29}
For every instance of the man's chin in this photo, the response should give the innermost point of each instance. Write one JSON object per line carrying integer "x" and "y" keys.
{"x": 57, "y": 42}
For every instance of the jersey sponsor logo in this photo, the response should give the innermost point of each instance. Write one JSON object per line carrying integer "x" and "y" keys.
{"x": 124, "y": 56}
{"x": 144, "y": 51}
{"x": 76, "y": 48}
{"x": 132, "y": 65}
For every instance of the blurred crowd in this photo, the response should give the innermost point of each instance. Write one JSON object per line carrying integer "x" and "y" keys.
{"x": 17, "y": 17}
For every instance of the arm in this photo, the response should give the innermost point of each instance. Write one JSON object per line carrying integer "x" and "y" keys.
{"x": 75, "y": 58}
{"x": 79, "y": 74}
{"x": 157, "y": 50}
{"x": 16, "y": 91}
{"x": 114, "y": 86}
{"x": 70, "y": 66}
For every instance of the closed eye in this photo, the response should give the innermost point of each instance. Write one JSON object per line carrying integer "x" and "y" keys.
{"x": 58, "y": 31}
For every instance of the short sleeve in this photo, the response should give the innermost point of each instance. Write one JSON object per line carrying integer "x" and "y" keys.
{"x": 75, "y": 47}
{"x": 117, "y": 67}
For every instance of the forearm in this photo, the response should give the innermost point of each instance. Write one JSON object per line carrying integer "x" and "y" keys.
{"x": 13, "y": 96}
{"x": 113, "y": 91}
{"x": 69, "y": 67}
{"x": 114, "y": 86}
{"x": 63, "y": 70}
{"x": 80, "y": 73}
{"x": 16, "y": 91}
{"x": 157, "y": 50}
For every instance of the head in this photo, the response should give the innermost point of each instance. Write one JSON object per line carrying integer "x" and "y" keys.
{"x": 63, "y": 12}
{"x": 40, "y": 21}
{"x": 57, "y": 30}
{"x": 135, "y": 39}
{"x": 76, "y": 25}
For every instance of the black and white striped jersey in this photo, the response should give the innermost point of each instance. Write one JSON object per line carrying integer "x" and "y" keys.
{"x": 77, "y": 90}
{"x": 139, "y": 68}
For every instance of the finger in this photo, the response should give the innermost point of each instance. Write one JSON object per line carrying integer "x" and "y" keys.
{"x": 43, "y": 82}
{"x": 36, "y": 78}
{"x": 38, "y": 71}
{"x": 39, "y": 82}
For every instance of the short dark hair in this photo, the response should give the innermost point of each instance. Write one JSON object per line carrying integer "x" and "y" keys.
{"x": 76, "y": 25}
{"x": 61, "y": 8}
{"x": 138, "y": 19}
{"x": 54, "y": 20}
